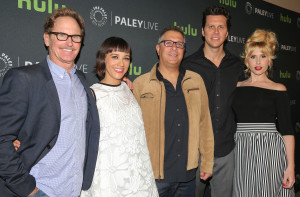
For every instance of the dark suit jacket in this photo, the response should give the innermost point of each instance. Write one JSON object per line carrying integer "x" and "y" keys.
{"x": 30, "y": 112}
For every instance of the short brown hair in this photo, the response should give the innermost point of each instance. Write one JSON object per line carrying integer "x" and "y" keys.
{"x": 109, "y": 45}
{"x": 50, "y": 20}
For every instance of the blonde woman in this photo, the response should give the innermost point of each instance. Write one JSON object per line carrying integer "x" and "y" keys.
{"x": 265, "y": 144}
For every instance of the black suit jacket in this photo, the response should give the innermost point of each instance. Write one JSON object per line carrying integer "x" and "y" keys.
{"x": 30, "y": 112}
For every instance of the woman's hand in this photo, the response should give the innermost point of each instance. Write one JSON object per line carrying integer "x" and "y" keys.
{"x": 289, "y": 174}
{"x": 289, "y": 178}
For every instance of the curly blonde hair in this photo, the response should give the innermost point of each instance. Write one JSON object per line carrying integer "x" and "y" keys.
{"x": 266, "y": 41}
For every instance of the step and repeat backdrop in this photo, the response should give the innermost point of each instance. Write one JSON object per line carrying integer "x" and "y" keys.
{"x": 139, "y": 22}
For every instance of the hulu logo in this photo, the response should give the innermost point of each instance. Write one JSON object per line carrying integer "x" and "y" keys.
{"x": 39, "y": 8}
{"x": 285, "y": 19}
{"x": 187, "y": 30}
{"x": 284, "y": 75}
{"x": 134, "y": 70}
{"x": 230, "y": 3}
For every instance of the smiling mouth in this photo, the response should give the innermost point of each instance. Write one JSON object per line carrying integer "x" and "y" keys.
{"x": 119, "y": 70}
{"x": 68, "y": 49}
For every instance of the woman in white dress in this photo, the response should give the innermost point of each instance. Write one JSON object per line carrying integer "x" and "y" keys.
{"x": 123, "y": 165}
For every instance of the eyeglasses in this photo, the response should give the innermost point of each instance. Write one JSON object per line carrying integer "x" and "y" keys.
{"x": 63, "y": 37}
{"x": 169, "y": 43}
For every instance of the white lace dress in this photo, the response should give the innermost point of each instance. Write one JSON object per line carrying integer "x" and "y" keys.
{"x": 123, "y": 165}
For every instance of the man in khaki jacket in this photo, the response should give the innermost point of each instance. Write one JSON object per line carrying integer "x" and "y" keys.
{"x": 177, "y": 119}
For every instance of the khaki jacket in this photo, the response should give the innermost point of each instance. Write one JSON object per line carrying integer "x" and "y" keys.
{"x": 151, "y": 95}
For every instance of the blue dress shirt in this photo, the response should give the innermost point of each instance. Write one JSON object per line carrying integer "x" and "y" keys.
{"x": 60, "y": 172}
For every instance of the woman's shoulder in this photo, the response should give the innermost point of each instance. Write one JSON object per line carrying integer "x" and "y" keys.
{"x": 271, "y": 85}
{"x": 242, "y": 83}
{"x": 95, "y": 86}
{"x": 276, "y": 86}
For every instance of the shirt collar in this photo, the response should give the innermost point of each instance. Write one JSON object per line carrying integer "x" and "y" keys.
{"x": 160, "y": 77}
{"x": 201, "y": 52}
{"x": 59, "y": 71}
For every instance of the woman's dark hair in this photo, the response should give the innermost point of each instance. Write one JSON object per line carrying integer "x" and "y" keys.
{"x": 109, "y": 45}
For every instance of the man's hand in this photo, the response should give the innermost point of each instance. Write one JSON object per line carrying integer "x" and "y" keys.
{"x": 129, "y": 83}
{"x": 34, "y": 191}
{"x": 204, "y": 176}
{"x": 17, "y": 144}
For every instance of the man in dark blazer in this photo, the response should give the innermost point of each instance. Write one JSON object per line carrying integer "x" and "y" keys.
{"x": 57, "y": 156}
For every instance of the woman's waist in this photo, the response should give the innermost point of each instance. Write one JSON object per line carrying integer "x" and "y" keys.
{"x": 256, "y": 127}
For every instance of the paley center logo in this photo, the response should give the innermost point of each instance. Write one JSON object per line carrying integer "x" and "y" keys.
{"x": 79, "y": 66}
{"x": 5, "y": 64}
{"x": 98, "y": 16}
{"x": 249, "y": 9}
{"x": 236, "y": 39}
{"x": 285, "y": 47}
{"x": 134, "y": 22}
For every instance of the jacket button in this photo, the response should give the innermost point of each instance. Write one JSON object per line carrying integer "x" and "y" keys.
{"x": 48, "y": 146}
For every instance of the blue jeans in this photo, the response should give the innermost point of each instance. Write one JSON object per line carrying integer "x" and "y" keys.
{"x": 39, "y": 193}
{"x": 176, "y": 189}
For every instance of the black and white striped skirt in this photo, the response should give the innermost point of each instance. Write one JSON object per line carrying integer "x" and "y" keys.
{"x": 260, "y": 161}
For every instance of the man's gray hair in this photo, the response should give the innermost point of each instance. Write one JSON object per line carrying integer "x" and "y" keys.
{"x": 171, "y": 28}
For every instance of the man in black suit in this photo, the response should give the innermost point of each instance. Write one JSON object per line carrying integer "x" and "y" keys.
{"x": 49, "y": 108}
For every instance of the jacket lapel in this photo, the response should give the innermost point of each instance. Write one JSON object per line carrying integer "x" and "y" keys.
{"x": 51, "y": 90}
{"x": 83, "y": 82}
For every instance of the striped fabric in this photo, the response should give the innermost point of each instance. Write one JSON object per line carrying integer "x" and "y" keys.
{"x": 260, "y": 161}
